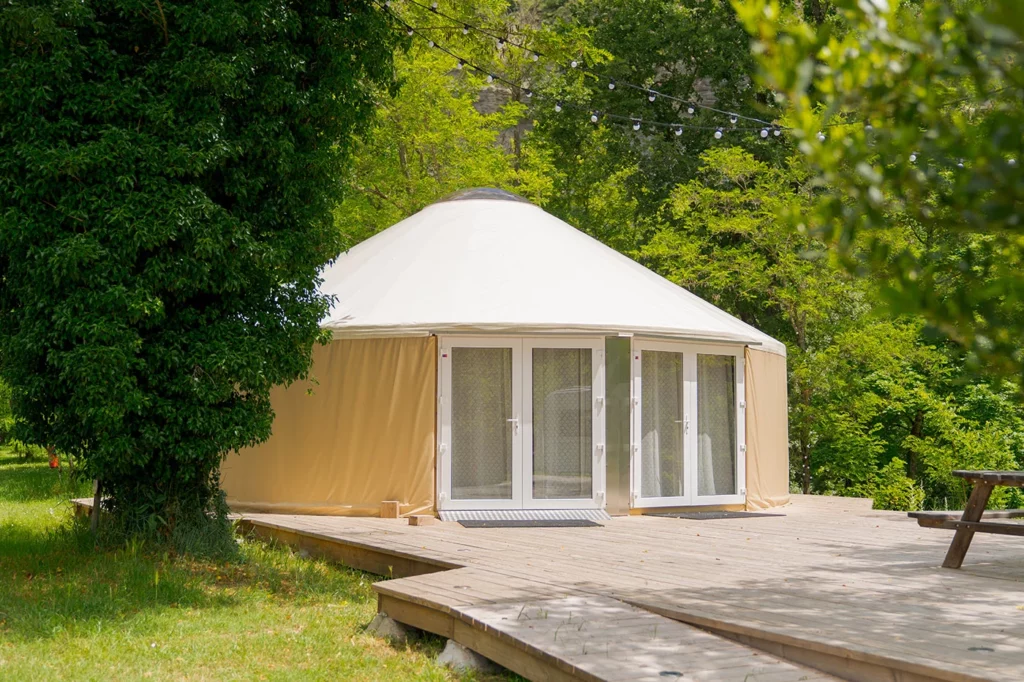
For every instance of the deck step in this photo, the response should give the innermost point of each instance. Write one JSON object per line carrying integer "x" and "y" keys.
{"x": 589, "y": 637}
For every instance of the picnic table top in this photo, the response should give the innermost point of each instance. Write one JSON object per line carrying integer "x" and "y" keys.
{"x": 1012, "y": 478}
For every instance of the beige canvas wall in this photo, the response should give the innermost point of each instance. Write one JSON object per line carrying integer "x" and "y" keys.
{"x": 365, "y": 435}
{"x": 767, "y": 429}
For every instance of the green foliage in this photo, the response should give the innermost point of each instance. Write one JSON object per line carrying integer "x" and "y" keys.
{"x": 894, "y": 490}
{"x": 167, "y": 178}
{"x": 432, "y": 139}
{"x": 912, "y": 90}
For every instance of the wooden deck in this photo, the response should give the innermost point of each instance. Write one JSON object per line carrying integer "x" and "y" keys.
{"x": 856, "y": 593}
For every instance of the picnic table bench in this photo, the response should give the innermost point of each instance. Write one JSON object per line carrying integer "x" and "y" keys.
{"x": 969, "y": 521}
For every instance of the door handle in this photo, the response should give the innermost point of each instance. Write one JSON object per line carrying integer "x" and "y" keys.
{"x": 515, "y": 424}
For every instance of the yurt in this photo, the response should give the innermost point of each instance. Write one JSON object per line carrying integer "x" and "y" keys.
{"x": 489, "y": 360}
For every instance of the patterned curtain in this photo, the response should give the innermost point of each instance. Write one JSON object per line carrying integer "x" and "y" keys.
{"x": 662, "y": 411}
{"x": 481, "y": 432}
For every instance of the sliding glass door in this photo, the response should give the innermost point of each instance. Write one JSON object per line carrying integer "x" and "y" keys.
{"x": 687, "y": 425}
{"x": 521, "y": 423}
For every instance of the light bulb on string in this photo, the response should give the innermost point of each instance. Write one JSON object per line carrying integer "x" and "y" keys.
{"x": 1012, "y": 162}
{"x": 430, "y": 43}
{"x": 651, "y": 96}
{"x": 501, "y": 43}
{"x": 913, "y": 157}
{"x": 573, "y": 64}
{"x": 960, "y": 163}
{"x": 776, "y": 132}
{"x": 679, "y": 131}
{"x": 465, "y": 30}
{"x": 534, "y": 56}
{"x": 460, "y": 65}
{"x": 558, "y": 107}
{"x": 764, "y": 132}
{"x": 611, "y": 84}
{"x": 528, "y": 93}
{"x": 718, "y": 134}
{"x": 868, "y": 127}
{"x": 408, "y": 31}
{"x": 593, "y": 117}
{"x": 732, "y": 119}
{"x": 689, "y": 110}
{"x": 636, "y": 124}
{"x": 821, "y": 136}
{"x": 490, "y": 78}
{"x": 433, "y": 7}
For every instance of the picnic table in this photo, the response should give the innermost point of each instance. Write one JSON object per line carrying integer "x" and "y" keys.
{"x": 969, "y": 521}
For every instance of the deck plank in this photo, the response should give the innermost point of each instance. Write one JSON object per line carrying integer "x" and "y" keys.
{"x": 829, "y": 573}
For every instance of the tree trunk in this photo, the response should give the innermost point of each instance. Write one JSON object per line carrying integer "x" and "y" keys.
{"x": 916, "y": 429}
{"x": 94, "y": 521}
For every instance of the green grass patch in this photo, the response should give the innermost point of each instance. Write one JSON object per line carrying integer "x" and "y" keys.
{"x": 70, "y": 611}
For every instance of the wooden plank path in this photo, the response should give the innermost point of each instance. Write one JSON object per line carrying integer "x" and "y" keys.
{"x": 831, "y": 584}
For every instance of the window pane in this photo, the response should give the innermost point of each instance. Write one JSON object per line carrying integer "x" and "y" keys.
{"x": 563, "y": 448}
{"x": 481, "y": 432}
{"x": 716, "y": 425}
{"x": 661, "y": 424}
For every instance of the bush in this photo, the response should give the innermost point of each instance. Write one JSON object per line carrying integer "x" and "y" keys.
{"x": 895, "y": 490}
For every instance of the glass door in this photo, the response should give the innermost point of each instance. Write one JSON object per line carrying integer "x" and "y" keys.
{"x": 521, "y": 423}
{"x": 480, "y": 443}
{"x": 563, "y": 430}
{"x": 688, "y": 425}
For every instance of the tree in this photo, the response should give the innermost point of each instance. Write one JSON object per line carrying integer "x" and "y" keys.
{"x": 722, "y": 239}
{"x": 167, "y": 177}
{"x": 435, "y": 136}
{"x": 920, "y": 109}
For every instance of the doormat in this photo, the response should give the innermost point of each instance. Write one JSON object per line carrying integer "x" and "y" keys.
{"x": 528, "y": 523}
{"x": 524, "y": 514}
{"x": 707, "y": 516}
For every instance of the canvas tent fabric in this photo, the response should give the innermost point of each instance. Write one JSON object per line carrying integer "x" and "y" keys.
{"x": 365, "y": 433}
{"x": 767, "y": 430}
{"x": 507, "y": 267}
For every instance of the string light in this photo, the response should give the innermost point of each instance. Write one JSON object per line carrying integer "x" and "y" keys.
{"x": 430, "y": 43}
{"x": 732, "y": 119}
{"x": 501, "y": 44}
{"x": 409, "y": 32}
{"x": 651, "y": 97}
{"x": 913, "y": 157}
{"x": 776, "y": 132}
{"x": 764, "y": 132}
{"x": 821, "y": 136}
{"x": 575, "y": 63}
{"x": 611, "y": 84}
{"x": 960, "y": 163}
{"x": 1012, "y": 162}
{"x": 595, "y": 116}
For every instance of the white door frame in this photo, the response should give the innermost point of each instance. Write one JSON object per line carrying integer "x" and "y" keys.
{"x": 522, "y": 443}
{"x": 596, "y": 345}
{"x": 690, "y": 351}
{"x": 444, "y": 431}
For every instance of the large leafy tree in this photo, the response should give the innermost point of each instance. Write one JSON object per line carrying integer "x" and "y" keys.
{"x": 913, "y": 114}
{"x": 167, "y": 176}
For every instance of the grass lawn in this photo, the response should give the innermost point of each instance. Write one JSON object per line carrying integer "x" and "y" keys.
{"x": 68, "y": 611}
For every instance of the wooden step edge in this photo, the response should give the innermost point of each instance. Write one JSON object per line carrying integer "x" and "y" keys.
{"x": 846, "y": 662}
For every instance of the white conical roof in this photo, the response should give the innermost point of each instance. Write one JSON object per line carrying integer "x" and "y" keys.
{"x": 488, "y": 261}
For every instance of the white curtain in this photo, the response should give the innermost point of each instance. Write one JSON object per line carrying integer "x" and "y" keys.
{"x": 662, "y": 410}
{"x": 481, "y": 432}
{"x": 563, "y": 430}
{"x": 716, "y": 425}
